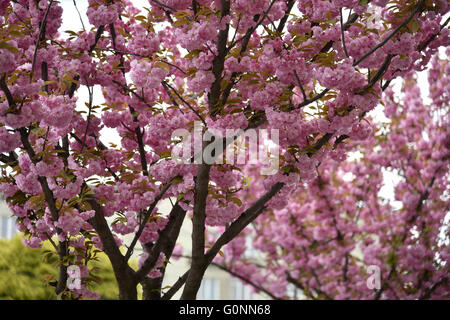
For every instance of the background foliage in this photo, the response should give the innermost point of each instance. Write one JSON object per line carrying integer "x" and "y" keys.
{"x": 23, "y": 273}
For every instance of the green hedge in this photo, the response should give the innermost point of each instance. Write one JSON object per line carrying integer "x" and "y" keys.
{"x": 23, "y": 272}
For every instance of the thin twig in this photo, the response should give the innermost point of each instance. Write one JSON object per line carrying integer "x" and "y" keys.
{"x": 126, "y": 88}
{"x": 145, "y": 219}
{"x": 343, "y": 35}
{"x": 79, "y": 14}
{"x": 88, "y": 116}
{"x": 300, "y": 85}
{"x": 317, "y": 97}
{"x": 41, "y": 34}
{"x": 392, "y": 34}
{"x": 246, "y": 280}
{"x": 164, "y": 5}
{"x": 164, "y": 83}
{"x": 251, "y": 30}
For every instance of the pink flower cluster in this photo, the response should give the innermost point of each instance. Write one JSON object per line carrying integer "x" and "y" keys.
{"x": 251, "y": 7}
{"x": 155, "y": 272}
{"x": 201, "y": 81}
{"x": 8, "y": 58}
{"x": 344, "y": 77}
{"x": 103, "y": 14}
{"x": 10, "y": 141}
{"x": 219, "y": 214}
{"x": 72, "y": 222}
{"x": 150, "y": 232}
{"x": 126, "y": 227}
{"x": 8, "y": 189}
{"x": 197, "y": 34}
{"x": 65, "y": 190}
{"x": 361, "y": 131}
{"x": 3, "y": 5}
{"x": 143, "y": 44}
{"x": 176, "y": 4}
{"x": 28, "y": 183}
{"x": 58, "y": 111}
{"x": 146, "y": 75}
{"x": 49, "y": 167}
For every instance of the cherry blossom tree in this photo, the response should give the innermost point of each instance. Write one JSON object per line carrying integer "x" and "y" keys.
{"x": 335, "y": 228}
{"x": 311, "y": 69}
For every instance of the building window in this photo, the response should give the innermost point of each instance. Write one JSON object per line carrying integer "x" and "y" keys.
{"x": 209, "y": 289}
{"x": 240, "y": 291}
{"x": 250, "y": 251}
{"x": 7, "y": 227}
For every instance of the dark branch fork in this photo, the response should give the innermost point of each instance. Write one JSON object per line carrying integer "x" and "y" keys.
{"x": 167, "y": 86}
{"x": 145, "y": 219}
{"x": 165, "y": 243}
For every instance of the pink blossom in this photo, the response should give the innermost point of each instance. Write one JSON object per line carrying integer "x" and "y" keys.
{"x": 32, "y": 243}
{"x": 10, "y": 141}
{"x": 201, "y": 81}
{"x": 101, "y": 14}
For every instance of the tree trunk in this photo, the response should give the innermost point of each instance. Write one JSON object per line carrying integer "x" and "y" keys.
{"x": 194, "y": 280}
{"x": 151, "y": 289}
{"x": 126, "y": 283}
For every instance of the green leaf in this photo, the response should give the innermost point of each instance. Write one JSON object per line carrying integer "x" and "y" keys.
{"x": 178, "y": 179}
{"x": 180, "y": 196}
{"x": 289, "y": 169}
{"x": 237, "y": 201}
{"x": 413, "y": 26}
{"x": 391, "y": 259}
{"x": 9, "y": 47}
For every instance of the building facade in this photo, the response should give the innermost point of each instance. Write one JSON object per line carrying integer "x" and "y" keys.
{"x": 7, "y": 221}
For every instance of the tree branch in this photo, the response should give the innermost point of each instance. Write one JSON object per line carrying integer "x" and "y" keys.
{"x": 219, "y": 59}
{"x": 79, "y": 14}
{"x": 283, "y": 20}
{"x": 392, "y": 34}
{"x": 198, "y": 233}
{"x": 8, "y": 160}
{"x": 165, "y": 243}
{"x": 51, "y": 203}
{"x": 41, "y": 35}
{"x": 248, "y": 281}
{"x": 145, "y": 219}
{"x": 177, "y": 286}
{"x": 167, "y": 85}
{"x": 98, "y": 34}
{"x": 125, "y": 276}
{"x": 427, "y": 295}
{"x": 343, "y": 35}
{"x": 247, "y": 217}
{"x": 300, "y": 85}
